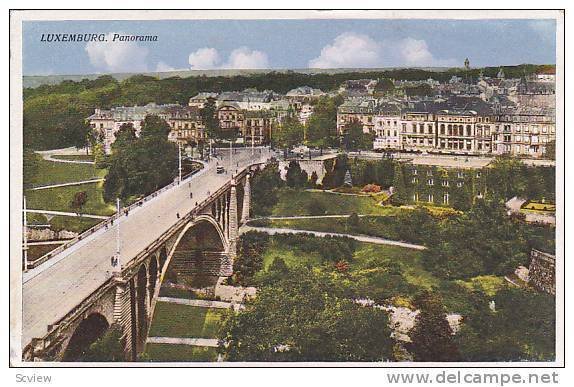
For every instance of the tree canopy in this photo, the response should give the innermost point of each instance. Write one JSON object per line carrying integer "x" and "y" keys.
{"x": 139, "y": 166}
{"x": 300, "y": 318}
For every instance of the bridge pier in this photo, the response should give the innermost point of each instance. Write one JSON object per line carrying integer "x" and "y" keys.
{"x": 246, "y": 200}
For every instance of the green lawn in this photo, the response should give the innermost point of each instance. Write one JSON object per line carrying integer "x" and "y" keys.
{"x": 297, "y": 202}
{"x": 60, "y": 198}
{"x": 174, "y": 320}
{"x": 291, "y": 256}
{"x": 60, "y": 222}
{"x": 51, "y": 172}
{"x": 181, "y": 353}
{"x": 37, "y": 251}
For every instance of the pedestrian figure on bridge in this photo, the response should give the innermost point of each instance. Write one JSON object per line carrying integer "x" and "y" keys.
{"x": 191, "y": 195}
{"x": 177, "y": 215}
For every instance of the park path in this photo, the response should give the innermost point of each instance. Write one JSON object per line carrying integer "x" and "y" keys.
{"x": 47, "y": 155}
{"x": 309, "y": 217}
{"x": 201, "y": 303}
{"x": 67, "y": 184}
{"x": 360, "y": 238}
{"x": 63, "y": 213}
{"x": 194, "y": 341}
{"x": 56, "y": 242}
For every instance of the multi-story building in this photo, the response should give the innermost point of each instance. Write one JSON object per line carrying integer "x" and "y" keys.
{"x": 303, "y": 95}
{"x": 231, "y": 118}
{"x": 186, "y": 124}
{"x": 257, "y": 127}
{"x": 359, "y": 110}
{"x": 201, "y": 99}
{"x": 418, "y": 127}
{"x": 107, "y": 123}
{"x": 387, "y": 127}
{"x": 527, "y": 130}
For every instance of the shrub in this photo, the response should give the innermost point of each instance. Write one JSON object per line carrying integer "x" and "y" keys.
{"x": 371, "y": 188}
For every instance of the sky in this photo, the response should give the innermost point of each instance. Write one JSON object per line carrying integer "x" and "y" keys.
{"x": 284, "y": 44}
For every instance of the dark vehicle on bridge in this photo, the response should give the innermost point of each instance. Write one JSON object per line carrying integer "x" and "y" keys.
{"x": 220, "y": 169}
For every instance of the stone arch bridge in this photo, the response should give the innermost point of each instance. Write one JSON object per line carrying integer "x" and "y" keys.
{"x": 61, "y": 318}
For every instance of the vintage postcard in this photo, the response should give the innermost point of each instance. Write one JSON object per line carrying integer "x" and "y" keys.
{"x": 308, "y": 188}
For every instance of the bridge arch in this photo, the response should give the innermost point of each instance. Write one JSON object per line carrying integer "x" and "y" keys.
{"x": 200, "y": 247}
{"x": 86, "y": 333}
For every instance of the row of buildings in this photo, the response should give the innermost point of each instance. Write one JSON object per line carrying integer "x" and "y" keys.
{"x": 463, "y": 116}
{"x": 251, "y": 115}
{"x": 514, "y": 117}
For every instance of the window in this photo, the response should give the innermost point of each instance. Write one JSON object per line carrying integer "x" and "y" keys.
{"x": 430, "y": 182}
{"x": 478, "y": 174}
{"x": 460, "y": 175}
{"x": 459, "y": 184}
{"x": 429, "y": 173}
{"x": 431, "y": 198}
{"x": 445, "y": 198}
{"x": 414, "y": 172}
{"x": 445, "y": 183}
{"x": 415, "y": 180}
{"x": 415, "y": 197}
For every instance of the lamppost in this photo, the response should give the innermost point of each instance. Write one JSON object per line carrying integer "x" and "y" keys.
{"x": 231, "y": 156}
{"x": 116, "y": 261}
{"x": 179, "y": 159}
{"x": 25, "y": 248}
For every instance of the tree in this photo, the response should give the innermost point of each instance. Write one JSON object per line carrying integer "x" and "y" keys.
{"x": 551, "y": 150}
{"x": 107, "y": 348}
{"x": 520, "y": 328}
{"x": 462, "y": 253}
{"x": 79, "y": 200}
{"x": 353, "y": 136}
{"x": 154, "y": 127}
{"x": 431, "y": 336}
{"x": 302, "y": 318}
{"x": 264, "y": 188}
{"x": 296, "y": 177}
{"x": 400, "y": 194}
{"x": 140, "y": 166}
{"x": 385, "y": 86}
{"x": 209, "y": 117}
{"x": 251, "y": 247}
{"x": 31, "y": 166}
{"x": 322, "y": 124}
{"x": 290, "y": 134}
{"x": 99, "y": 155}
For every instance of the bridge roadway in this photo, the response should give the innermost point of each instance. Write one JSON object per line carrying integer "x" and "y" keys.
{"x": 54, "y": 288}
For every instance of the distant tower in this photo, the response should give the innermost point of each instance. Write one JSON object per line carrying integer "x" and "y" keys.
{"x": 500, "y": 73}
{"x": 466, "y": 64}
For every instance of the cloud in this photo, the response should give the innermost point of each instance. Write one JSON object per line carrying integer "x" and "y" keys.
{"x": 415, "y": 52}
{"x": 245, "y": 58}
{"x": 117, "y": 56}
{"x": 349, "y": 50}
{"x": 352, "y": 50}
{"x": 240, "y": 58}
{"x": 204, "y": 59}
